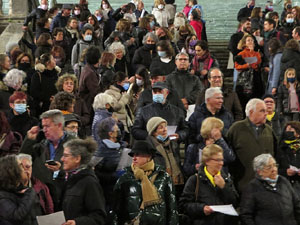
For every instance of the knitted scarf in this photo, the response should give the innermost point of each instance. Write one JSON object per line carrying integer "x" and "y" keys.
{"x": 294, "y": 145}
{"x": 149, "y": 191}
{"x": 205, "y": 59}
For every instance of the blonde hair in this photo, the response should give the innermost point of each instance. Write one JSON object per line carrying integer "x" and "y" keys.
{"x": 285, "y": 82}
{"x": 242, "y": 42}
{"x": 208, "y": 124}
{"x": 158, "y": 2}
{"x": 209, "y": 151}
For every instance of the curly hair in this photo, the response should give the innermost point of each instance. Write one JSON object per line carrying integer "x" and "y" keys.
{"x": 10, "y": 173}
{"x": 63, "y": 101}
{"x": 67, "y": 76}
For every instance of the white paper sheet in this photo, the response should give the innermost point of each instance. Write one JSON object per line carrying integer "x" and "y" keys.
{"x": 225, "y": 209}
{"x": 171, "y": 130}
{"x": 190, "y": 111}
{"x": 57, "y": 218}
{"x": 125, "y": 159}
{"x": 294, "y": 168}
{"x": 250, "y": 60}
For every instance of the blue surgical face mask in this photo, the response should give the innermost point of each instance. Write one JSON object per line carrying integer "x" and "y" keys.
{"x": 291, "y": 80}
{"x": 158, "y": 98}
{"x": 161, "y": 138}
{"x": 290, "y": 20}
{"x": 162, "y": 54}
{"x": 152, "y": 23}
{"x": 99, "y": 18}
{"x": 126, "y": 86}
{"x": 88, "y": 37}
{"x": 271, "y": 180}
{"x": 20, "y": 108}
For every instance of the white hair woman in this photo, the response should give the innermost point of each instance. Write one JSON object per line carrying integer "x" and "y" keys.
{"x": 122, "y": 60}
{"x": 269, "y": 198}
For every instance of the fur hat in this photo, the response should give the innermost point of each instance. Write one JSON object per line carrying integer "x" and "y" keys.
{"x": 153, "y": 123}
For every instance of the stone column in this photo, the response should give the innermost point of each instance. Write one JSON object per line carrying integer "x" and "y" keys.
{"x": 18, "y": 8}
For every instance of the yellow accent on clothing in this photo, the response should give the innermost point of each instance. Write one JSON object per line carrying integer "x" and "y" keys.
{"x": 270, "y": 117}
{"x": 210, "y": 177}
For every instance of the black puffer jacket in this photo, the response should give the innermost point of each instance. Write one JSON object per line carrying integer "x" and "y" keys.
{"x": 186, "y": 85}
{"x": 143, "y": 57}
{"x": 283, "y": 98}
{"x": 128, "y": 198}
{"x": 172, "y": 114}
{"x": 194, "y": 199}
{"x": 290, "y": 59}
{"x": 19, "y": 209}
{"x": 83, "y": 199}
{"x": 263, "y": 204}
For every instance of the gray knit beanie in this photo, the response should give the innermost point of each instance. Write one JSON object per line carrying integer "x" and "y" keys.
{"x": 153, "y": 123}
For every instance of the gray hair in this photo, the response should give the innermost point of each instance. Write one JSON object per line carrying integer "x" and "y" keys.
{"x": 260, "y": 161}
{"x": 83, "y": 148}
{"x": 106, "y": 126}
{"x": 209, "y": 93}
{"x": 181, "y": 53}
{"x": 101, "y": 100}
{"x": 14, "y": 77}
{"x": 212, "y": 69}
{"x": 55, "y": 115}
{"x": 151, "y": 35}
{"x": 251, "y": 105}
{"x": 22, "y": 156}
{"x": 115, "y": 46}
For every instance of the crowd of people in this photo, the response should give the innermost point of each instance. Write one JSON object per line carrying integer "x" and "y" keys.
{"x": 121, "y": 116}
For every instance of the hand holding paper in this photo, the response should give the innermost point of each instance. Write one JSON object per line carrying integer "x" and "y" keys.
{"x": 225, "y": 209}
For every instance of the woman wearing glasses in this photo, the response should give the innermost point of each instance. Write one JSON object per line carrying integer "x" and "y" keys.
{"x": 211, "y": 186}
{"x": 269, "y": 198}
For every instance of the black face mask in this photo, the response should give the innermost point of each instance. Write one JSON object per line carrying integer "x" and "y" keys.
{"x": 119, "y": 137}
{"x": 24, "y": 66}
{"x": 163, "y": 38}
{"x": 288, "y": 135}
{"x": 110, "y": 109}
{"x": 150, "y": 46}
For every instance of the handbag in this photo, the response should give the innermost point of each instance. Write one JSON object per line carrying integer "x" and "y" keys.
{"x": 245, "y": 80}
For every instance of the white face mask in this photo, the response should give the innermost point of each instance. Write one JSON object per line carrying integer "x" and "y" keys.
{"x": 105, "y": 6}
{"x": 160, "y": 6}
{"x": 76, "y": 12}
{"x": 44, "y": 7}
{"x": 139, "y": 82}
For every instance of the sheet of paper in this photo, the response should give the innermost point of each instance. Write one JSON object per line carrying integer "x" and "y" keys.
{"x": 171, "y": 129}
{"x": 294, "y": 168}
{"x": 57, "y": 218}
{"x": 125, "y": 159}
{"x": 225, "y": 209}
{"x": 250, "y": 60}
{"x": 190, "y": 111}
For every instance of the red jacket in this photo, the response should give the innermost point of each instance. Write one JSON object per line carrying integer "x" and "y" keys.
{"x": 198, "y": 26}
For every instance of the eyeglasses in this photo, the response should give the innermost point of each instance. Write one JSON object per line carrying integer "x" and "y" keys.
{"x": 182, "y": 59}
{"x": 67, "y": 155}
{"x": 269, "y": 167}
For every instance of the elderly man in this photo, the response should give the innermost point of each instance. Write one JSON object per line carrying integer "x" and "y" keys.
{"x": 213, "y": 106}
{"x": 250, "y": 138}
{"x": 160, "y": 107}
{"x": 186, "y": 85}
{"x": 231, "y": 100}
{"x": 47, "y": 151}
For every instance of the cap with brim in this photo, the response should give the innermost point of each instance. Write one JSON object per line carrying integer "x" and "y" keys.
{"x": 142, "y": 148}
{"x": 71, "y": 117}
{"x": 160, "y": 85}
{"x": 156, "y": 72}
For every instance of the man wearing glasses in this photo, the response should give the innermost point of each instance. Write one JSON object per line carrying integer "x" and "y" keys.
{"x": 186, "y": 84}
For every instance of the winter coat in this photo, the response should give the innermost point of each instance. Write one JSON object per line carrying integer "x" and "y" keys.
{"x": 43, "y": 87}
{"x": 242, "y": 138}
{"x": 83, "y": 199}
{"x": 290, "y": 59}
{"x": 198, "y": 26}
{"x": 128, "y": 198}
{"x": 164, "y": 68}
{"x": 201, "y": 113}
{"x": 81, "y": 109}
{"x": 59, "y": 21}
{"x": 274, "y": 73}
{"x": 231, "y": 103}
{"x": 199, "y": 192}
{"x": 89, "y": 85}
{"x": 42, "y": 49}
{"x": 244, "y": 12}
{"x": 11, "y": 144}
{"x": 21, "y": 123}
{"x": 186, "y": 85}
{"x": 192, "y": 156}
{"x": 143, "y": 57}
{"x": 100, "y": 114}
{"x": 162, "y": 16}
{"x": 78, "y": 49}
{"x": 35, "y": 15}
{"x": 172, "y": 114}
{"x": 263, "y": 204}
{"x": 19, "y": 209}
{"x": 283, "y": 98}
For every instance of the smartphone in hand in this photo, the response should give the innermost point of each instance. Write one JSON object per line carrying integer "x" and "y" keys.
{"x": 51, "y": 162}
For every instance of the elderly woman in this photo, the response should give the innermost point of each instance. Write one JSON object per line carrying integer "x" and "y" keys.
{"x": 83, "y": 200}
{"x": 103, "y": 107}
{"x": 165, "y": 61}
{"x": 39, "y": 187}
{"x": 269, "y": 198}
{"x": 69, "y": 83}
{"x": 144, "y": 193}
{"x": 122, "y": 60}
{"x": 17, "y": 202}
{"x": 143, "y": 56}
{"x": 11, "y": 82}
{"x": 211, "y": 133}
{"x": 167, "y": 154}
{"x": 211, "y": 186}
{"x": 110, "y": 148}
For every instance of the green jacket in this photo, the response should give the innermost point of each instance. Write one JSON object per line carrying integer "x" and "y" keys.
{"x": 128, "y": 198}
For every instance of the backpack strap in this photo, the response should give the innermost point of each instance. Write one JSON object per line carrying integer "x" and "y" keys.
{"x": 197, "y": 186}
